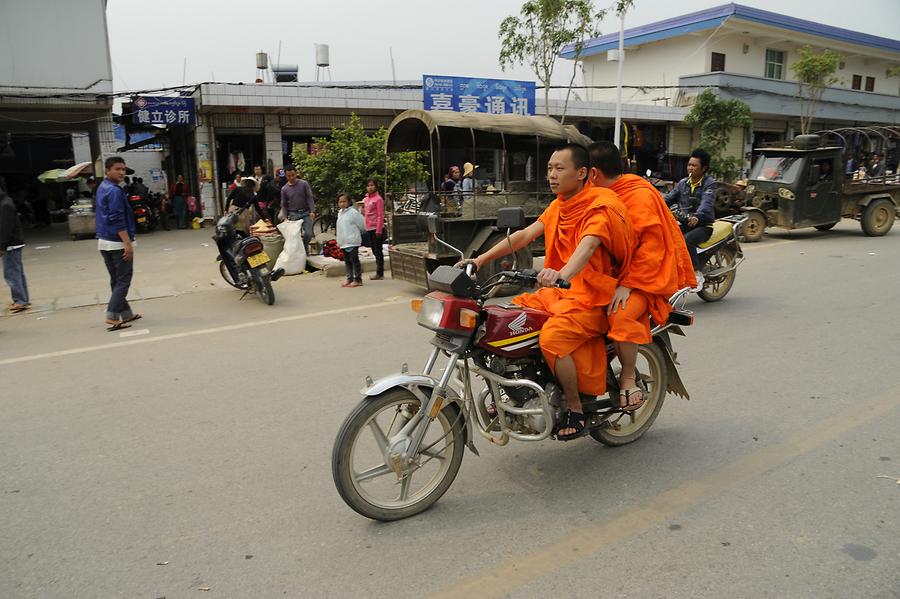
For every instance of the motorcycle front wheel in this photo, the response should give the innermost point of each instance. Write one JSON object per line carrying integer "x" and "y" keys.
{"x": 626, "y": 427}
{"x": 223, "y": 270}
{"x": 263, "y": 287}
{"x": 363, "y": 472}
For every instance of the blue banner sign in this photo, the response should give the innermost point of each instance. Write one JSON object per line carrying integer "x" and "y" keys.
{"x": 462, "y": 94}
{"x": 158, "y": 110}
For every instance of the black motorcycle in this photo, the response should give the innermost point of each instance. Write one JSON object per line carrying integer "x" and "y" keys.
{"x": 242, "y": 261}
{"x": 143, "y": 215}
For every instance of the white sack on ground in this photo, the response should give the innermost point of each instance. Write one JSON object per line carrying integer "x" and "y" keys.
{"x": 293, "y": 257}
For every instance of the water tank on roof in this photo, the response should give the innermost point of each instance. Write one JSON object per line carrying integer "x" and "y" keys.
{"x": 322, "y": 55}
{"x": 262, "y": 61}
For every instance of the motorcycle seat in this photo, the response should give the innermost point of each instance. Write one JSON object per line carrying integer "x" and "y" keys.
{"x": 721, "y": 230}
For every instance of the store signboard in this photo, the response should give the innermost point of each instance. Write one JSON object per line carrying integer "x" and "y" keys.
{"x": 464, "y": 94}
{"x": 159, "y": 110}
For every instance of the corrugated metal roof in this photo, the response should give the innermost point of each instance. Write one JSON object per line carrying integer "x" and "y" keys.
{"x": 713, "y": 17}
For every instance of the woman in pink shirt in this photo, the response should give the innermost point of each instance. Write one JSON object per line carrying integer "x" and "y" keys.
{"x": 373, "y": 208}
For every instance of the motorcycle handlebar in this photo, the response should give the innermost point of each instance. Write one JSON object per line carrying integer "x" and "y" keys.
{"x": 530, "y": 276}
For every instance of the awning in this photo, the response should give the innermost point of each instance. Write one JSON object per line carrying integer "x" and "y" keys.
{"x": 412, "y": 129}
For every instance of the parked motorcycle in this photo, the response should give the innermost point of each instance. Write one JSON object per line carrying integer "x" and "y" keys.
{"x": 413, "y": 427}
{"x": 720, "y": 256}
{"x": 143, "y": 215}
{"x": 242, "y": 262}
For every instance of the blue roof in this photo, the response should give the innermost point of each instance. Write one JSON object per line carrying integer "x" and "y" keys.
{"x": 713, "y": 17}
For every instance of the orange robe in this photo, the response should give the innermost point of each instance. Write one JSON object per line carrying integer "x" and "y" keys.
{"x": 578, "y": 321}
{"x": 661, "y": 264}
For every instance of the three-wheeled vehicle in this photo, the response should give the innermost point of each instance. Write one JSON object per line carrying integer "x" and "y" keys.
{"x": 804, "y": 185}
{"x": 511, "y": 152}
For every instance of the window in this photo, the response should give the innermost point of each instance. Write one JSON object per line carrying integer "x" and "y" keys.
{"x": 717, "y": 63}
{"x": 782, "y": 169}
{"x": 870, "y": 84}
{"x": 774, "y": 64}
{"x": 857, "y": 82}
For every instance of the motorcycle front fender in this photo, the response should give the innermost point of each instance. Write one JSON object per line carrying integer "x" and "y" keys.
{"x": 421, "y": 386}
{"x": 676, "y": 385}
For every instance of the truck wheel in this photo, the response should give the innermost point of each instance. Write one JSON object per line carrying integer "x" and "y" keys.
{"x": 827, "y": 227}
{"x": 878, "y": 218}
{"x": 754, "y": 227}
{"x": 523, "y": 259}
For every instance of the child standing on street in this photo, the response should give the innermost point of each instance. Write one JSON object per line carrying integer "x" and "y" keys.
{"x": 350, "y": 227}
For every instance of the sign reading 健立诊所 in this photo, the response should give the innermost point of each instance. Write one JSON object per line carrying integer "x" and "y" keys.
{"x": 463, "y": 94}
{"x": 158, "y": 110}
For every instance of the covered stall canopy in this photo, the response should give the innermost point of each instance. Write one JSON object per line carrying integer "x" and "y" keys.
{"x": 435, "y": 131}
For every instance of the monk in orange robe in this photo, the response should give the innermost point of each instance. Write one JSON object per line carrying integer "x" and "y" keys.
{"x": 588, "y": 240}
{"x": 661, "y": 265}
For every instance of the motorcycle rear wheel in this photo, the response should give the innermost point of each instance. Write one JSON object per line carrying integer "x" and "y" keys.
{"x": 363, "y": 473}
{"x": 626, "y": 427}
{"x": 263, "y": 287}
{"x": 717, "y": 288}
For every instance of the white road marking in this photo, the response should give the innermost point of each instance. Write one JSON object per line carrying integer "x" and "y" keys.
{"x": 134, "y": 333}
{"x": 198, "y": 332}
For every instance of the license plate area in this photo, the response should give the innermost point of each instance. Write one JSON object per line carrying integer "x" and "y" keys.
{"x": 257, "y": 259}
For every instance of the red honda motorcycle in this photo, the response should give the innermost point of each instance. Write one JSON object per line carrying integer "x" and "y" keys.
{"x": 400, "y": 449}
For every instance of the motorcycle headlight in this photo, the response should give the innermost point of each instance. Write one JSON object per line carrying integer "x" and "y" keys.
{"x": 430, "y": 313}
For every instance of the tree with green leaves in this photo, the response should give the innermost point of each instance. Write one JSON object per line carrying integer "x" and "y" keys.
{"x": 717, "y": 119}
{"x": 814, "y": 72}
{"x": 347, "y": 159}
{"x": 543, "y": 29}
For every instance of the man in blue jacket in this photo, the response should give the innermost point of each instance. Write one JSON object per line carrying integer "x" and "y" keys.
{"x": 115, "y": 240}
{"x": 693, "y": 203}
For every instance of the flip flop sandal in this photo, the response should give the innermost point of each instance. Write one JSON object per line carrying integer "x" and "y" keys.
{"x": 133, "y": 318}
{"x": 574, "y": 420}
{"x": 19, "y": 307}
{"x": 119, "y": 326}
{"x": 627, "y": 393}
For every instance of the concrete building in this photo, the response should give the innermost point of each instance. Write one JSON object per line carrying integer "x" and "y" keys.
{"x": 53, "y": 88}
{"x": 747, "y": 53}
{"x": 240, "y": 125}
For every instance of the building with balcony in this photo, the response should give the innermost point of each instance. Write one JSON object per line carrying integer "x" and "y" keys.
{"x": 746, "y": 53}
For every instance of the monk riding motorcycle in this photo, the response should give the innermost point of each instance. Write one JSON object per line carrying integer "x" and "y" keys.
{"x": 400, "y": 449}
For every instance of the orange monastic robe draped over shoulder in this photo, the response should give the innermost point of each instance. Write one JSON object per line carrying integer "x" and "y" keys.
{"x": 578, "y": 315}
{"x": 661, "y": 264}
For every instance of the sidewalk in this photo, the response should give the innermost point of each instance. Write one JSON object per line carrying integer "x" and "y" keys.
{"x": 62, "y": 273}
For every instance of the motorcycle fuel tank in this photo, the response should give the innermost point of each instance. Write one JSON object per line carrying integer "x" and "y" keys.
{"x": 512, "y": 331}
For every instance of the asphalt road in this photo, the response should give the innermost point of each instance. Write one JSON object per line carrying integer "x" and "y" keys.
{"x": 193, "y": 459}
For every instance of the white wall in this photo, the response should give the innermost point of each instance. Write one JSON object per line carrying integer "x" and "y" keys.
{"x": 59, "y": 44}
{"x": 663, "y": 62}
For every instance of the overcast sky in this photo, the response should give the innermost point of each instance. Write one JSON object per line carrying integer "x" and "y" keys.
{"x": 150, "y": 41}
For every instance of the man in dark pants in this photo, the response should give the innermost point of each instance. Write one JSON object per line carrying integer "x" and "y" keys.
{"x": 693, "y": 203}
{"x": 12, "y": 240}
{"x": 115, "y": 240}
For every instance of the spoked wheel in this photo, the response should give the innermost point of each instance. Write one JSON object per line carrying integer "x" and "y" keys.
{"x": 223, "y": 270}
{"x": 364, "y": 472}
{"x": 715, "y": 288}
{"x": 625, "y": 427}
{"x": 263, "y": 287}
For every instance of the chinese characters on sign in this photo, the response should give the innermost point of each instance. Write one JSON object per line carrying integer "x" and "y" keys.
{"x": 461, "y": 94}
{"x": 156, "y": 110}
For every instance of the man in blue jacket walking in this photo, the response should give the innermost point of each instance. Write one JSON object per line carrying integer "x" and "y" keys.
{"x": 115, "y": 240}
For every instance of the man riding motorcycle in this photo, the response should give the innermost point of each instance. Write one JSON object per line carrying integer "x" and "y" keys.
{"x": 693, "y": 204}
{"x": 589, "y": 241}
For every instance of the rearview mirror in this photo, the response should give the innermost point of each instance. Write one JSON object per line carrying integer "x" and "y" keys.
{"x": 511, "y": 218}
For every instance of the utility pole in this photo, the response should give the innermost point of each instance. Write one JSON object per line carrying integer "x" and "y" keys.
{"x": 621, "y": 58}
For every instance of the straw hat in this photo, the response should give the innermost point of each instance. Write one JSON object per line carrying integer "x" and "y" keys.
{"x": 469, "y": 168}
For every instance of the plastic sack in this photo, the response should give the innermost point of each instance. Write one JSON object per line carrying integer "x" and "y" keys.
{"x": 293, "y": 257}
